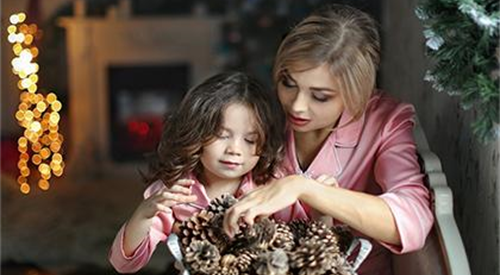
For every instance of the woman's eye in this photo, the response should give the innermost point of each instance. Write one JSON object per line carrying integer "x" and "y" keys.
{"x": 320, "y": 97}
{"x": 287, "y": 83}
{"x": 222, "y": 136}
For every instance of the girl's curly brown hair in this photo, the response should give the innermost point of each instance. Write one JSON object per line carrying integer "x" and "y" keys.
{"x": 197, "y": 121}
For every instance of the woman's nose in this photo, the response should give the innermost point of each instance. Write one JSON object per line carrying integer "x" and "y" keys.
{"x": 299, "y": 103}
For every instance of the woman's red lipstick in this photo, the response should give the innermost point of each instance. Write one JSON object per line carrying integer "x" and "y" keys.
{"x": 297, "y": 120}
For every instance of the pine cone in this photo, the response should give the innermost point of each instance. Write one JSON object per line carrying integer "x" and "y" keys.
{"x": 227, "y": 266}
{"x": 228, "y": 260}
{"x": 322, "y": 232}
{"x": 227, "y": 271}
{"x": 312, "y": 257}
{"x": 196, "y": 228}
{"x": 202, "y": 257}
{"x": 245, "y": 258}
{"x": 283, "y": 238}
{"x": 272, "y": 263}
{"x": 298, "y": 228}
{"x": 221, "y": 204}
{"x": 216, "y": 233}
{"x": 345, "y": 237}
{"x": 259, "y": 235}
{"x": 340, "y": 266}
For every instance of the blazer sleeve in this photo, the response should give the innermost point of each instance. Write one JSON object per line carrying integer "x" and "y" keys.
{"x": 160, "y": 229}
{"x": 398, "y": 173}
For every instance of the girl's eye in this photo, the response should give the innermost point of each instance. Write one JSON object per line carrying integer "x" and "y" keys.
{"x": 250, "y": 141}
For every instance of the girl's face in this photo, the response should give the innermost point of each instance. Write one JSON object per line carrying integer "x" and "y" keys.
{"x": 311, "y": 99}
{"x": 233, "y": 153}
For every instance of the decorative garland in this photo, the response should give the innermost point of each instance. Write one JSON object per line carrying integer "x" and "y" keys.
{"x": 462, "y": 41}
{"x": 41, "y": 143}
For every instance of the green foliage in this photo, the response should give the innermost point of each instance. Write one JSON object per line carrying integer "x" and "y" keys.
{"x": 462, "y": 42}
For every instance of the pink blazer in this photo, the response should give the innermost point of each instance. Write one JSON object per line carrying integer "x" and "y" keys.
{"x": 377, "y": 155}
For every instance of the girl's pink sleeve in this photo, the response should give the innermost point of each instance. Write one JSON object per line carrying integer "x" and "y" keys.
{"x": 160, "y": 229}
{"x": 398, "y": 172}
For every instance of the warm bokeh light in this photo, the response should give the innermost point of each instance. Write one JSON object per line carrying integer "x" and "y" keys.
{"x": 44, "y": 185}
{"x": 25, "y": 188}
{"x": 11, "y": 29}
{"x": 36, "y": 113}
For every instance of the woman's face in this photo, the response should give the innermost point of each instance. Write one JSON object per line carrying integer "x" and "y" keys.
{"x": 311, "y": 99}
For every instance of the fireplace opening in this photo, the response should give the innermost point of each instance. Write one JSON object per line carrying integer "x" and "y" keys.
{"x": 139, "y": 98}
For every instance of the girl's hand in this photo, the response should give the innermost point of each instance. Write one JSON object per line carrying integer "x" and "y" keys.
{"x": 139, "y": 224}
{"x": 165, "y": 198}
{"x": 263, "y": 201}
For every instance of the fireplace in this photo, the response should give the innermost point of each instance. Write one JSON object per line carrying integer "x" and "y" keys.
{"x": 123, "y": 74}
{"x": 139, "y": 98}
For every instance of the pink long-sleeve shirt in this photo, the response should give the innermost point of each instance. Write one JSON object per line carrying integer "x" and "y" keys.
{"x": 377, "y": 155}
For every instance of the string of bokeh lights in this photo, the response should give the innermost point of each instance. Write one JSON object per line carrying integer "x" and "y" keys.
{"x": 40, "y": 145}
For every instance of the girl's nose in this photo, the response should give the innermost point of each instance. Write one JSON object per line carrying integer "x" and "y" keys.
{"x": 233, "y": 147}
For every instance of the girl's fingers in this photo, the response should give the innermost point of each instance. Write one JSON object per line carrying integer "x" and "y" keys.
{"x": 180, "y": 189}
{"x": 185, "y": 182}
{"x": 162, "y": 207}
{"x": 178, "y": 198}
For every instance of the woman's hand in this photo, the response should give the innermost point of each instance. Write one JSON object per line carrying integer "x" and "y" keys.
{"x": 263, "y": 201}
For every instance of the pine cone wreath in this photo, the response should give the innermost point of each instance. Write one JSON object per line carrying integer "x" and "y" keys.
{"x": 196, "y": 228}
{"x": 283, "y": 238}
{"x": 312, "y": 257}
{"x": 265, "y": 248}
{"x": 202, "y": 257}
{"x": 272, "y": 263}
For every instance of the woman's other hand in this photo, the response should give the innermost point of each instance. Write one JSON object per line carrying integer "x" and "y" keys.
{"x": 263, "y": 202}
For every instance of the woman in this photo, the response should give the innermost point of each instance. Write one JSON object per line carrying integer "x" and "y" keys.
{"x": 342, "y": 128}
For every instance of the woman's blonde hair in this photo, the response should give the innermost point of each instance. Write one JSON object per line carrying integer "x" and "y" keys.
{"x": 344, "y": 38}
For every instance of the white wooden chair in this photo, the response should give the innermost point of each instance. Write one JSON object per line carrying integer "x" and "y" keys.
{"x": 444, "y": 251}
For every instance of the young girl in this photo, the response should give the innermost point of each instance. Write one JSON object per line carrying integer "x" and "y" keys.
{"x": 225, "y": 137}
{"x": 339, "y": 125}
